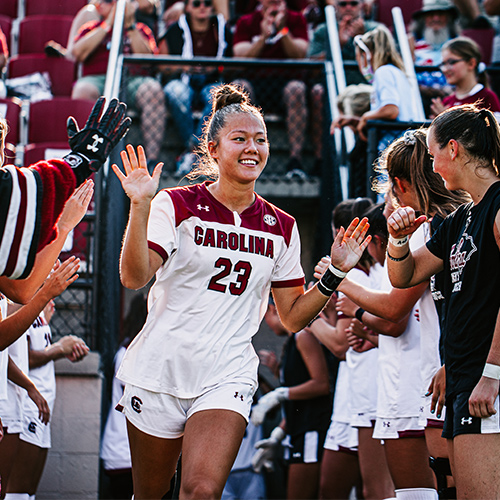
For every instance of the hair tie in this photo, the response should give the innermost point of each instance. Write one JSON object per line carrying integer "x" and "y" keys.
{"x": 409, "y": 138}
{"x": 481, "y": 67}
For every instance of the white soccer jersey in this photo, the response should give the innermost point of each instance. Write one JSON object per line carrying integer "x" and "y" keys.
{"x": 399, "y": 378}
{"x": 43, "y": 377}
{"x": 4, "y": 356}
{"x": 429, "y": 321}
{"x": 11, "y": 408}
{"x": 212, "y": 291}
{"x": 363, "y": 366}
{"x": 115, "y": 450}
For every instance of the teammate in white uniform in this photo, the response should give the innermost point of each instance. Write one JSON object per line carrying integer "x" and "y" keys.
{"x": 34, "y": 434}
{"x": 390, "y": 312}
{"x": 217, "y": 249}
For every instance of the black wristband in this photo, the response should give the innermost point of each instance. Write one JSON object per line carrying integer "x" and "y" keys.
{"x": 329, "y": 282}
{"x": 398, "y": 259}
{"x": 359, "y": 313}
{"x": 313, "y": 320}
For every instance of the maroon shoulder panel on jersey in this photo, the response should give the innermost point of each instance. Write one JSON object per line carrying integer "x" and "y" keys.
{"x": 197, "y": 201}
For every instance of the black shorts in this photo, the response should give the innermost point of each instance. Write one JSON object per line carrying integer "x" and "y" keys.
{"x": 458, "y": 420}
{"x": 305, "y": 448}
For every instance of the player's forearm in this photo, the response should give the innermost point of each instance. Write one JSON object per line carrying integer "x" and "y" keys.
{"x": 18, "y": 377}
{"x": 21, "y": 291}
{"x": 13, "y": 326}
{"x": 42, "y": 357}
{"x": 134, "y": 261}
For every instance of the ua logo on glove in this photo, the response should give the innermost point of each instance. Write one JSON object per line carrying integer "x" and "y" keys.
{"x": 91, "y": 146}
{"x": 94, "y": 147}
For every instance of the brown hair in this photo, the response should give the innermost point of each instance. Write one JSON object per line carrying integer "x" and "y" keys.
{"x": 467, "y": 49}
{"x": 227, "y": 100}
{"x": 476, "y": 129}
{"x": 408, "y": 158}
{"x": 381, "y": 45}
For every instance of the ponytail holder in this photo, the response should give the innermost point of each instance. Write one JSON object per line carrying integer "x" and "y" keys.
{"x": 481, "y": 67}
{"x": 409, "y": 138}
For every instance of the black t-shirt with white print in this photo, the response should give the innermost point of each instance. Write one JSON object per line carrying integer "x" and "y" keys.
{"x": 466, "y": 243}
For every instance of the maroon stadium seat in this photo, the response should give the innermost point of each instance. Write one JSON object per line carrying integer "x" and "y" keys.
{"x": 484, "y": 38}
{"x": 62, "y": 72}
{"x": 59, "y": 7}
{"x": 36, "y": 31}
{"x": 384, "y": 7}
{"x": 8, "y": 8}
{"x": 41, "y": 151}
{"x": 47, "y": 120}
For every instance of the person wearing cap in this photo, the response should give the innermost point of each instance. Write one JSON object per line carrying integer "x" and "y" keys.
{"x": 433, "y": 25}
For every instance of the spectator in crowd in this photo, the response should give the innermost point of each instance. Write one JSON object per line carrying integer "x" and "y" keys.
{"x": 4, "y": 56}
{"x": 434, "y": 24}
{"x": 174, "y": 9}
{"x": 198, "y": 32}
{"x": 351, "y": 22}
{"x": 146, "y": 13}
{"x": 464, "y": 70}
{"x": 34, "y": 438}
{"x": 91, "y": 48}
{"x": 273, "y": 31}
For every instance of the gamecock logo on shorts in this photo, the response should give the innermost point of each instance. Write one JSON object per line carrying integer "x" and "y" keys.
{"x": 136, "y": 403}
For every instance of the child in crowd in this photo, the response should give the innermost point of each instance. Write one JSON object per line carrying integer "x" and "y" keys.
{"x": 463, "y": 69}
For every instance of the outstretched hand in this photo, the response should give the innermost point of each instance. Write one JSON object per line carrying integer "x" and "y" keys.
{"x": 349, "y": 245}
{"x": 137, "y": 183}
{"x": 403, "y": 221}
{"x": 91, "y": 146}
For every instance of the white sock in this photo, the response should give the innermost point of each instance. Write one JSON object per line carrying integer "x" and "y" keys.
{"x": 32, "y": 497}
{"x": 416, "y": 494}
{"x": 17, "y": 496}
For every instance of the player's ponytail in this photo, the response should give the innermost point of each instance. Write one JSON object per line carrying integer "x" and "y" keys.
{"x": 475, "y": 129}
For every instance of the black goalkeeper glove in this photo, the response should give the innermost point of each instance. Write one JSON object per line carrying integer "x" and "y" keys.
{"x": 91, "y": 146}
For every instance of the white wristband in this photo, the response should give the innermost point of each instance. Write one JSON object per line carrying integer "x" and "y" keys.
{"x": 398, "y": 242}
{"x": 337, "y": 272}
{"x": 491, "y": 371}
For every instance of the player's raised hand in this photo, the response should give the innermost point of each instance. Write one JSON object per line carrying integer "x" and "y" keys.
{"x": 349, "y": 244}
{"x": 137, "y": 183}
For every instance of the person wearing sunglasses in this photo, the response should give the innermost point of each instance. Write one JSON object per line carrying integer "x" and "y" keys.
{"x": 197, "y": 33}
{"x": 463, "y": 69}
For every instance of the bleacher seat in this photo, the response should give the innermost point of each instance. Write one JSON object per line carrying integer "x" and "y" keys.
{"x": 47, "y": 119}
{"x": 62, "y": 72}
{"x": 9, "y": 8}
{"x": 384, "y": 7}
{"x": 44, "y": 151}
{"x": 36, "y": 31}
{"x": 49, "y": 7}
{"x": 484, "y": 38}
{"x": 10, "y": 109}
{"x": 6, "y": 26}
